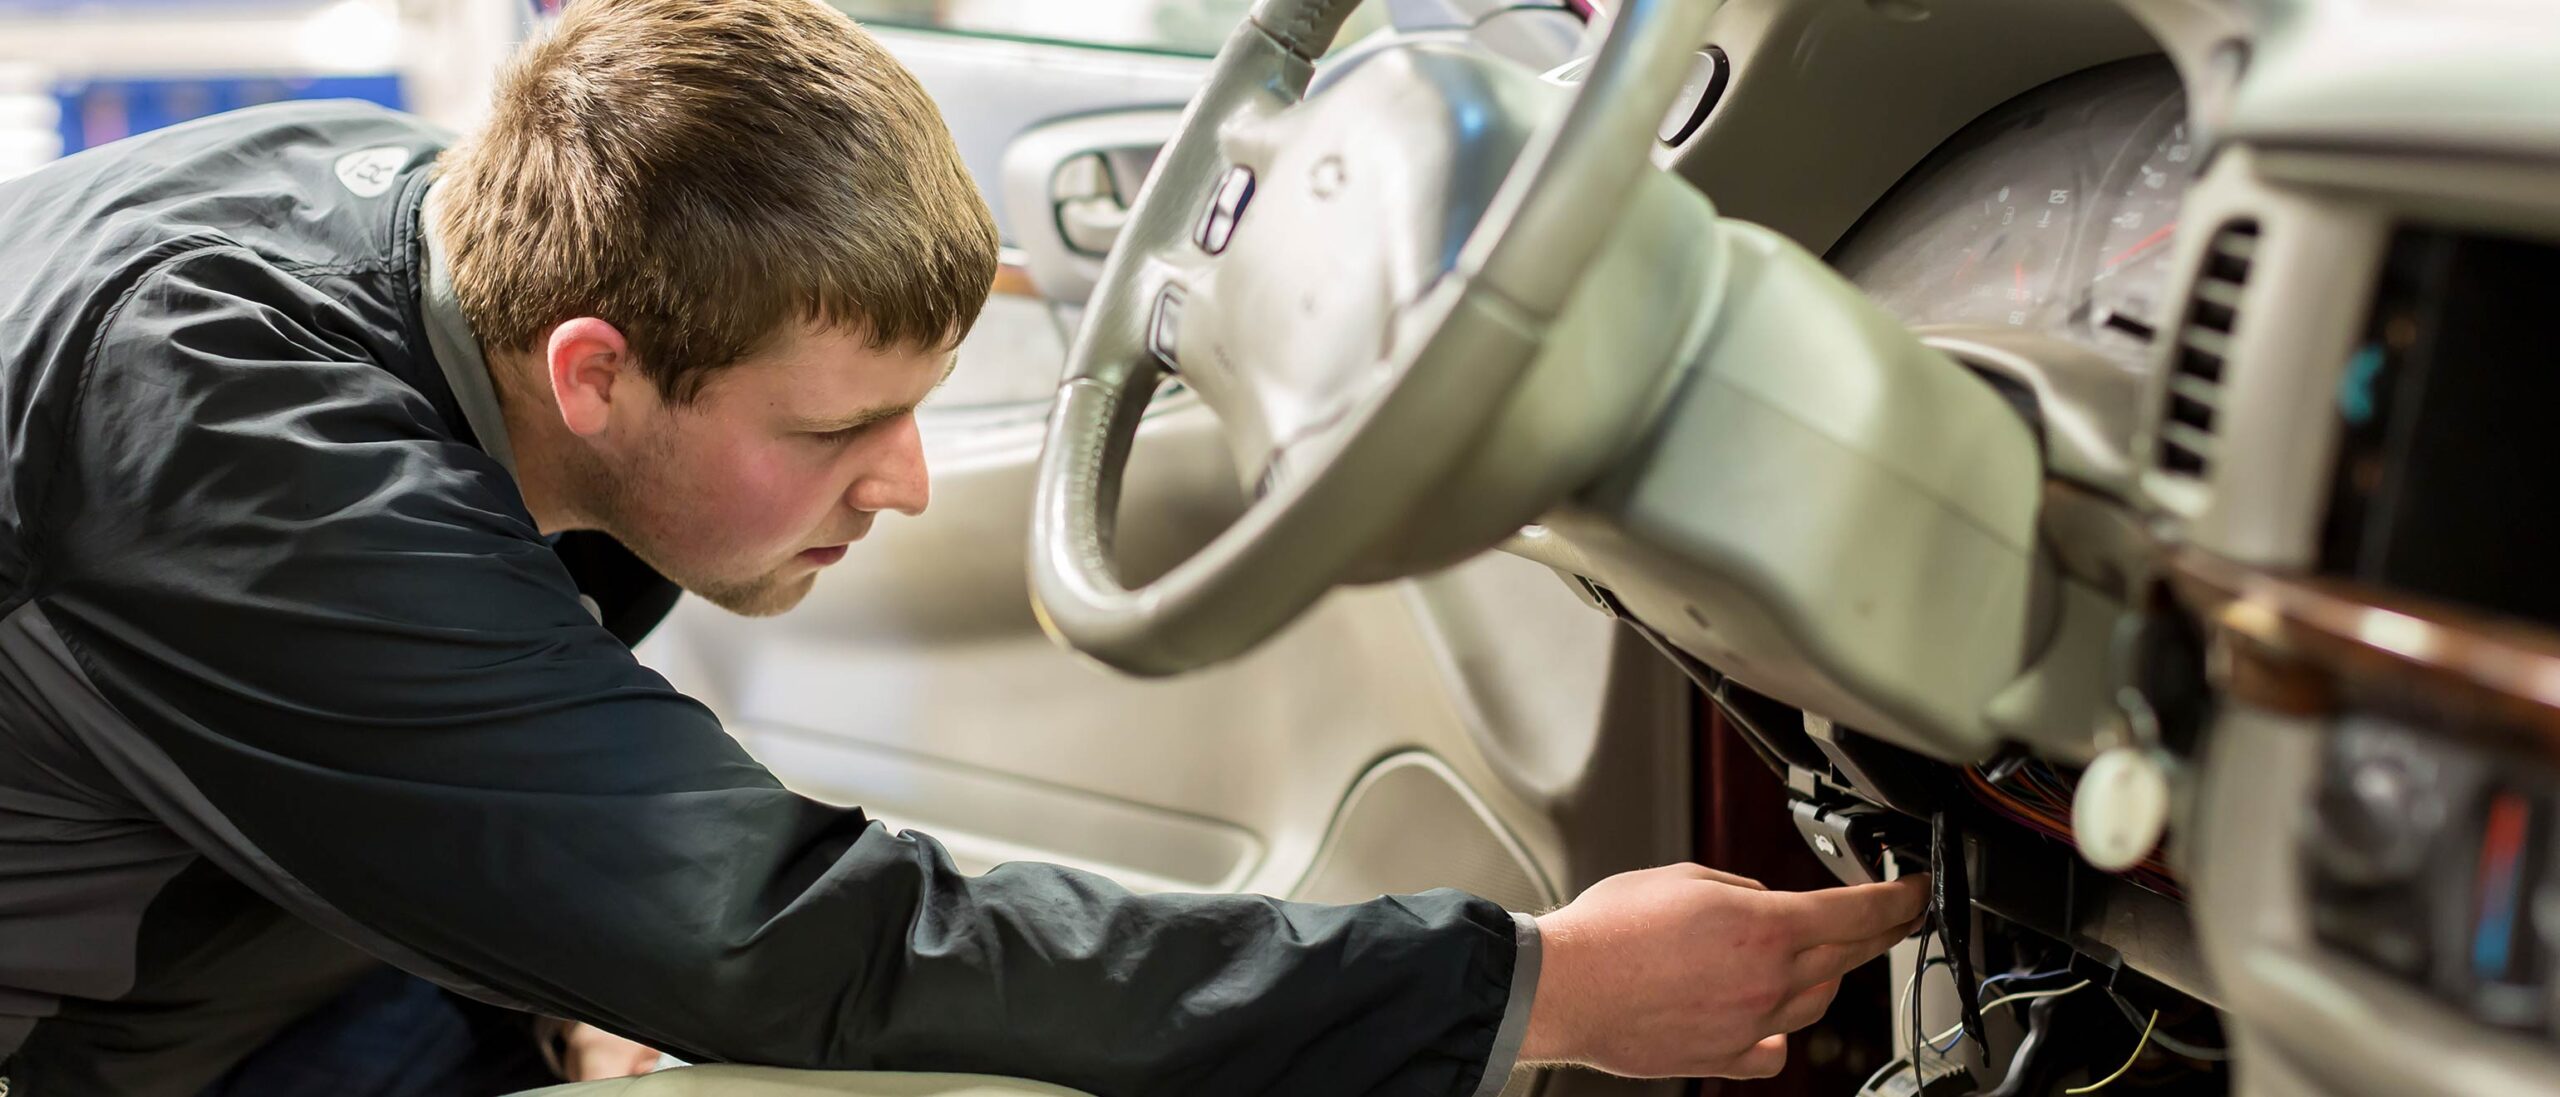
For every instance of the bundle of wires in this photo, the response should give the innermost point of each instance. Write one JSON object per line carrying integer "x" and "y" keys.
{"x": 1945, "y": 1041}
{"x": 2038, "y": 797}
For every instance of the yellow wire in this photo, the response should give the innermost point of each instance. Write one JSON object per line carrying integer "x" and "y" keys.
{"x": 2138, "y": 1045}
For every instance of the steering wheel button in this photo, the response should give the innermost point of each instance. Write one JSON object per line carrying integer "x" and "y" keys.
{"x": 1707, "y": 78}
{"x": 1226, "y": 208}
{"x": 1164, "y": 327}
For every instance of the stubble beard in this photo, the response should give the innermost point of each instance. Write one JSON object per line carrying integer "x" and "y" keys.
{"x": 622, "y": 503}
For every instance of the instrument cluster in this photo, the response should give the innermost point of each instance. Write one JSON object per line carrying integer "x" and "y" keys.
{"x": 2053, "y": 212}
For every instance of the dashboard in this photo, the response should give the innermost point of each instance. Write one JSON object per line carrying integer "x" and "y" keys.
{"x": 2053, "y": 212}
{"x": 2326, "y": 294}
{"x": 2372, "y": 867}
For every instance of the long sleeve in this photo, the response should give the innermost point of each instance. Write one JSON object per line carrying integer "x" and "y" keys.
{"x": 323, "y": 642}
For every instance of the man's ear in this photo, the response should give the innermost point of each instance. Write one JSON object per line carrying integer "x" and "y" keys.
{"x": 584, "y": 358}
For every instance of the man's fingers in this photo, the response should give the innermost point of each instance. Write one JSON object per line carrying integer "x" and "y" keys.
{"x": 1722, "y": 877}
{"x": 1834, "y": 959}
{"x": 1764, "y": 1060}
{"x": 1737, "y": 881}
{"x": 1859, "y": 912}
{"x": 1806, "y": 1007}
{"x": 594, "y": 1055}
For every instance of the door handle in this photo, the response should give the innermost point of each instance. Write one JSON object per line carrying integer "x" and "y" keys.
{"x": 1067, "y": 187}
{"x": 1086, "y": 199}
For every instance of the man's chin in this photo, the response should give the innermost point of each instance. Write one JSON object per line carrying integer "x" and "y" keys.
{"x": 765, "y": 597}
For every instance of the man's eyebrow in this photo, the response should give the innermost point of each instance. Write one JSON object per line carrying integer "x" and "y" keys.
{"x": 868, "y": 416}
{"x": 856, "y": 421}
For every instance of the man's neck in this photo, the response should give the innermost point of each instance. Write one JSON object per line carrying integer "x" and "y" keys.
{"x": 543, "y": 446}
{"x": 527, "y": 435}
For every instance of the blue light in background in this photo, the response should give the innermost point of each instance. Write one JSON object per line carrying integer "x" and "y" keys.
{"x": 2355, "y": 389}
{"x": 152, "y": 7}
{"x": 98, "y": 111}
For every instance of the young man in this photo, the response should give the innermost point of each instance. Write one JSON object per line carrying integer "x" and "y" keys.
{"x": 343, "y": 466}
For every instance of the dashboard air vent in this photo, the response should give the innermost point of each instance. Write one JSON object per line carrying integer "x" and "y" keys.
{"x": 2204, "y": 348}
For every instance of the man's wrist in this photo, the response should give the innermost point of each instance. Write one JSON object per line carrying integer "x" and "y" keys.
{"x": 1552, "y": 1012}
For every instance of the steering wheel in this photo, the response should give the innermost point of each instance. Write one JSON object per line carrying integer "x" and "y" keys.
{"x": 1357, "y": 284}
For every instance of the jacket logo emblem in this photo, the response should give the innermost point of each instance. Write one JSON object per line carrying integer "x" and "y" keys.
{"x": 370, "y": 172}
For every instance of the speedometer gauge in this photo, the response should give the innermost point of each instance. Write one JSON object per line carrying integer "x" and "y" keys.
{"x": 2121, "y": 308}
{"x": 2027, "y": 235}
{"x": 1994, "y": 247}
{"x": 2053, "y": 212}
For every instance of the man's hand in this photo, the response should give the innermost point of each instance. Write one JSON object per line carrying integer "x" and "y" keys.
{"x": 590, "y": 1054}
{"x": 1683, "y": 971}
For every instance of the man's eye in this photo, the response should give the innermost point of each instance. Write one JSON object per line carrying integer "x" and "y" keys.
{"x": 837, "y": 437}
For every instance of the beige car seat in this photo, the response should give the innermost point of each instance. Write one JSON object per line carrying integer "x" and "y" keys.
{"x": 736, "y": 1081}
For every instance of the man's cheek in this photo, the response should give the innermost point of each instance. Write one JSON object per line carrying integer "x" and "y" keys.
{"x": 772, "y": 497}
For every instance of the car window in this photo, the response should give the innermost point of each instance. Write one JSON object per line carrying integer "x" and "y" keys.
{"x": 1195, "y": 27}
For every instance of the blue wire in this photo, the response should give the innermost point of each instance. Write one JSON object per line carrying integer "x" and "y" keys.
{"x": 1979, "y": 994}
{"x": 1920, "y": 1034}
{"x": 1985, "y": 990}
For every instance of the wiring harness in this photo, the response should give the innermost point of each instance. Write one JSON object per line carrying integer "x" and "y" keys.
{"x": 2038, "y": 797}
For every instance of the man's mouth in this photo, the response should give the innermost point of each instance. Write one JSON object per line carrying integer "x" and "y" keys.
{"x": 824, "y": 556}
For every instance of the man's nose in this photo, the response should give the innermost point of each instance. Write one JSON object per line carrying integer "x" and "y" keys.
{"x": 894, "y": 478}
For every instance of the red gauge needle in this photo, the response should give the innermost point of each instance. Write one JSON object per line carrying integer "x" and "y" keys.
{"x": 1964, "y": 268}
{"x": 2143, "y": 245}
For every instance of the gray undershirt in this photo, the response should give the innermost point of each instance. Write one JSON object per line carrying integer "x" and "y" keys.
{"x": 456, "y": 349}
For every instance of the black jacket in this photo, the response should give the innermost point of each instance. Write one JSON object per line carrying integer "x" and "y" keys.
{"x": 289, "y": 682}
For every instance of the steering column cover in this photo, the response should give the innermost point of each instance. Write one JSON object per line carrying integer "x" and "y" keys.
{"x": 1829, "y": 511}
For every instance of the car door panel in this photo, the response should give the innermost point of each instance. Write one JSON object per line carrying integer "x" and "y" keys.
{"x": 920, "y": 646}
{"x": 991, "y": 90}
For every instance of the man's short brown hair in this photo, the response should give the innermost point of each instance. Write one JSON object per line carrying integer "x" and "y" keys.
{"x": 700, "y": 172}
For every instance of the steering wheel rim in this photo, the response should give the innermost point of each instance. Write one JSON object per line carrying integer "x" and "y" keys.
{"x": 1480, "y": 326}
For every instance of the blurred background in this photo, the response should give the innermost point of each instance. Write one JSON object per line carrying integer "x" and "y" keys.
{"x": 75, "y": 74}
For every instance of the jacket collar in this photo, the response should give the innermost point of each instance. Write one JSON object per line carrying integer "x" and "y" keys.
{"x": 455, "y": 348}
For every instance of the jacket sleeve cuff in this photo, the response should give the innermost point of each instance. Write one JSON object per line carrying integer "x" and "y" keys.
{"x": 1515, "y": 1012}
